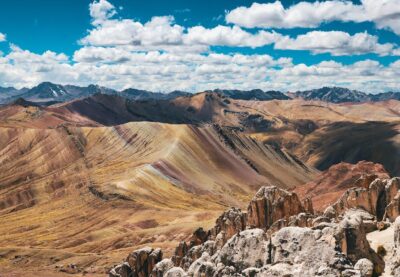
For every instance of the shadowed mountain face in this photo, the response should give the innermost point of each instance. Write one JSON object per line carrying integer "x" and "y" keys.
{"x": 136, "y": 94}
{"x": 333, "y": 94}
{"x": 386, "y": 96}
{"x": 9, "y": 94}
{"x": 323, "y": 135}
{"x": 255, "y": 94}
{"x": 353, "y": 142}
{"x": 343, "y": 95}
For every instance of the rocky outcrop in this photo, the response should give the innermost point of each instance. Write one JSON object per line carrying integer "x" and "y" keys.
{"x": 186, "y": 253}
{"x": 162, "y": 267}
{"x": 281, "y": 236}
{"x": 196, "y": 252}
{"x": 229, "y": 223}
{"x": 305, "y": 252}
{"x": 395, "y": 258}
{"x": 353, "y": 242}
{"x": 199, "y": 236}
{"x": 121, "y": 270}
{"x": 249, "y": 248}
{"x": 271, "y": 204}
{"x": 139, "y": 263}
{"x": 292, "y": 250}
{"x": 393, "y": 208}
{"x": 379, "y": 199}
{"x": 365, "y": 267}
{"x": 271, "y": 208}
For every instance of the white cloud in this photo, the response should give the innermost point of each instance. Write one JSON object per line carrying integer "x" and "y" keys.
{"x": 229, "y": 36}
{"x": 384, "y": 13}
{"x": 161, "y": 33}
{"x": 100, "y": 11}
{"x": 104, "y": 55}
{"x": 2, "y": 37}
{"x": 161, "y": 71}
{"x": 158, "y": 31}
{"x": 19, "y": 56}
{"x": 337, "y": 43}
{"x": 303, "y": 14}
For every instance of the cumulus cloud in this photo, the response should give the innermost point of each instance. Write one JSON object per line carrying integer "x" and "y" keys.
{"x": 158, "y": 31}
{"x": 22, "y": 68}
{"x": 229, "y": 36}
{"x": 161, "y": 55}
{"x": 337, "y": 43}
{"x": 162, "y": 71}
{"x": 2, "y": 37}
{"x": 384, "y": 13}
{"x": 303, "y": 14}
{"x": 20, "y": 56}
{"x": 100, "y": 11}
{"x": 102, "y": 55}
{"x": 162, "y": 33}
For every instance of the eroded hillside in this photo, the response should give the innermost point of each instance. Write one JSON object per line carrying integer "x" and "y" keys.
{"x": 84, "y": 190}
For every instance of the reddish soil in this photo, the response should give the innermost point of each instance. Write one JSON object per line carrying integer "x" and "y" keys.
{"x": 332, "y": 183}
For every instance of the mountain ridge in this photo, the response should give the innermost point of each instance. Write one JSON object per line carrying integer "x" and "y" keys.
{"x": 343, "y": 95}
{"x": 48, "y": 91}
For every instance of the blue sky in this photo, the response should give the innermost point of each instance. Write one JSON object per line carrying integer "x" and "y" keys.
{"x": 310, "y": 43}
{"x": 58, "y": 25}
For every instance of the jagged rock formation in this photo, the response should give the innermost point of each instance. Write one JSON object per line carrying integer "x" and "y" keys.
{"x": 394, "y": 259}
{"x": 396, "y": 270}
{"x": 378, "y": 199}
{"x": 353, "y": 242}
{"x": 139, "y": 263}
{"x": 271, "y": 207}
{"x": 229, "y": 223}
{"x": 280, "y": 236}
{"x": 271, "y": 204}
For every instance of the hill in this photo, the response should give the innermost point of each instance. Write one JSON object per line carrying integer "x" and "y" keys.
{"x": 87, "y": 195}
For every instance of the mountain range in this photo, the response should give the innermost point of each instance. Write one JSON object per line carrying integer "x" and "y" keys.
{"x": 49, "y": 92}
{"x": 255, "y": 94}
{"x": 343, "y": 95}
{"x": 88, "y": 180}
